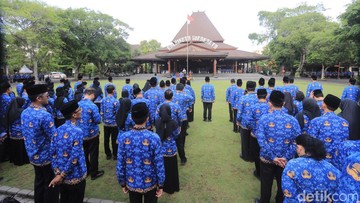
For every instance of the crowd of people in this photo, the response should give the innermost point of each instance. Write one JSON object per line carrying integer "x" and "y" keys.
{"x": 291, "y": 136}
{"x": 297, "y": 139}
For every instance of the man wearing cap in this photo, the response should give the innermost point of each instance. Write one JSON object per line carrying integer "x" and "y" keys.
{"x": 276, "y": 135}
{"x": 79, "y": 82}
{"x": 110, "y": 79}
{"x": 313, "y": 85}
{"x": 154, "y": 96}
{"x": 89, "y": 124}
{"x": 140, "y": 148}
{"x": 207, "y": 98}
{"x": 351, "y": 91}
{"x": 243, "y": 116}
{"x": 38, "y": 128}
{"x": 138, "y": 98}
{"x": 128, "y": 87}
{"x": 256, "y": 111}
{"x": 68, "y": 158}
{"x": 184, "y": 101}
{"x": 108, "y": 108}
{"x": 318, "y": 96}
{"x": 229, "y": 90}
{"x": 331, "y": 129}
{"x": 235, "y": 98}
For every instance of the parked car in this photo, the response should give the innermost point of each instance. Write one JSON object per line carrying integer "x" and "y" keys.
{"x": 55, "y": 75}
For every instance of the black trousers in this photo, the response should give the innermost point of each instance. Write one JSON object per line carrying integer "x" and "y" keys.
{"x": 180, "y": 141}
{"x": 72, "y": 193}
{"x": 149, "y": 197}
{"x": 236, "y": 127}
{"x": 207, "y": 110}
{"x": 267, "y": 174}
{"x": 91, "y": 150}
{"x": 42, "y": 192}
{"x": 231, "y": 113}
{"x": 245, "y": 144}
{"x": 255, "y": 153}
{"x": 190, "y": 115}
{"x": 110, "y": 131}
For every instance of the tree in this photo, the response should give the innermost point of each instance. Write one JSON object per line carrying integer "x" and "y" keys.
{"x": 2, "y": 45}
{"x": 149, "y": 46}
{"x": 31, "y": 28}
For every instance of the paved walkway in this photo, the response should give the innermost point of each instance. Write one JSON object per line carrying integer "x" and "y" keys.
{"x": 27, "y": 196}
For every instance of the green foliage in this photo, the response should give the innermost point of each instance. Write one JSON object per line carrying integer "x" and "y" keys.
{"x": 149, "y": 46}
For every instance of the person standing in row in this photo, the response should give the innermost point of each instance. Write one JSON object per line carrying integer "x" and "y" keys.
{"x": 139, "y": 149}
{"x": 310, "y": 111}
{"x": 110, "y": 79}
{"x": 331, "y": 129}
{"x": 229, "y": 91}
{"x": 68, "y": 158}
{"x": 276, "y": 135}
{"x": 191, "y": 111}
{"x": 79, "y": 82}
{"x": 128, "y": 87}
{"x": 319, "y": 98}
{"x": 154, "y": 96}
{"x": 351, "y": 91}
{"x": 261, "y": 83}
{"x": 208, "y": 98}
{"x": 38, "y": 129}
{"x": 108, "y": 108}
{"x": 349, "y": 184}
{"x": 58, "y": 103}
{"x": 235, "y": 98}
{"x": 314, "y": 85}
{"x": 89, "y": 124}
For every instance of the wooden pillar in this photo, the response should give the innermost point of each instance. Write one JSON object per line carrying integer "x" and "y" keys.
{"x": 175, "y": 66}
{"x": 214, "y": 71}
{"x": 236, "y": 68}
{"x": 156, "y": 67}
{"x": 169, "y": 66}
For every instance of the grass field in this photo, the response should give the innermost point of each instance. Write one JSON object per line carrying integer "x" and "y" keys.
{"x": 214, "y": 172}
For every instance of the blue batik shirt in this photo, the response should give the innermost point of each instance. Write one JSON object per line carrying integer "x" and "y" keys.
{"x": 173, "y": 88}
{"x": 236, "y": 96}
{"x": 207, "y": 93}
{"x": 184, "y": 101}
{"x": 129, "y": 88}
{"x": 244, "y": 110}
{"x": 229, "y": 91}
{"x": 332, "y": 130}
{"x": 15, "y": 130}
{"x": 154, "y": 96}
{"x": 140, "y": 164}
{"x": 349, "y": 184}
{"x": 76, "y": 84}
{"x": 276, "y": 135}
{"x": 70, "y": 96}
{"x": 106, "y": 85}
{"x": 5, "y": 100}
{"x": 260, "y": 87}
{"x": 37, "y": 127}
{"x": 294, "y": 89}
{"x": 313, "y": 86}
{"x": 27, "y": 100}
{"x": 256, "y": 111}
{"x": 299, "y": 106}
{"x": 19, "y": 89}
{"x": 191, "y": 90}
{"x": 306, "y": 177}
{"x": 351, "y": 92}
{"x": 169, "y": 145}
{"x": 108, "y": 108}
{"x": 68, "y": 158}
{"x": 319, "y": 103}
{"x": 147, "y": 102}
{"x": 346, "y": 148}
{"x": 90, "y": 119}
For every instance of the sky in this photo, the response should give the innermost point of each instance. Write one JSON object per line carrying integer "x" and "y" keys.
{"x": 162, "y": 19}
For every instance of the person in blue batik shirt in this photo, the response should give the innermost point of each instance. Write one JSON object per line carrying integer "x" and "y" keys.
{"x": 271, "y": 86}
{"x": 298, "y": 102}
{"x": 168, "y": 128}
{"x": 345, "y": 149}
{"x": 189, "y": 90}
{"x": 128, "y": 87}
{"x": 349, "y": 183}
{"x": 261, "y": 83}
{"x": 19, "y": 88}
{"x": 310, "y": 111}
{"x": 286, "y": 87}
{"x": 229, "y": 91}
{"x": 154, "y": 97}
{"x": 235, "y": 102}
{"x": 98, "y": 93}
{"x": 293, "y": 87}
{"x": 70, "y": 91}
{"x": 319, "y": 98}
{"x": 68, "y": 158}
{"x": 243, "y": 116}
{"x": 276, "y": 135}
{"x": 351, "y": 91}
{"x": 331, "y": 129}
{"x": 37, "y": 126}
{"x": 309, "y": 177}
{"x": 184, "y": 101}
{"x": 5, "y": 99}
{"x": 110, "y": 79}
{"x": 257, "y": 110}
{"x": 89, "y": 124}
{"x": 140, "y": 167}
{"x": 79, "y": 82}
{"x": 58, "y": 103}
{"x": 139, "y": 97}
{"x": 207, "y": 98}
{"x": 314, "y": 85}
{"x": 17, "y": 154}
{"x": 109, "y": 107}
{"x": 173, "y": 85}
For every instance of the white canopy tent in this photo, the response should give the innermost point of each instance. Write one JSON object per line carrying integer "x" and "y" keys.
{"x": 25, "y": 70}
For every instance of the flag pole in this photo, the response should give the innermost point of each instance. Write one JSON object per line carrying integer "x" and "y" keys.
{"x": 187, "y": 48}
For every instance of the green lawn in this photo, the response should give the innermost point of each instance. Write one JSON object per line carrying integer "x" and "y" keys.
{"x": 214, "y": 172}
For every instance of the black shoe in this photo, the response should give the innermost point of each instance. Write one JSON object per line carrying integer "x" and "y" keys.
{"x": 204, "y": 119}
{"x": 243, "y": 158}
{"x": 257, "y": 200}
{"x": 108, "y": 157}
{"x": 209, "y": 120}
{"x": 1, "y": 178}
{"x": 115, "y": 157}
{"x": 256, "y": 174}
{"x": 183, "y": 162}
{"x": 186, "y": 134}
{"x": 231, "y": 121}
{"x": 97, "y": 175}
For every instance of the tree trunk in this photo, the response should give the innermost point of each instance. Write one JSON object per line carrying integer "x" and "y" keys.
{"x": 323, "y": 72}
{"x": 301, "y": 64}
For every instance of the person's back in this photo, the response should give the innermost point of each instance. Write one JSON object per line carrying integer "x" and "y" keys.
{"x": 349, "y": 184}
{"x": 207, "y": 92}
{"x": 89, "y": 122}
{"x": 184, "y": 101}
{"x": 345, "y": 149}
{"x": 154, "y": 96}
{"x": 313, "y": 86}
{"x": 351, "y": 91}
{"x": 108, "y": 108}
